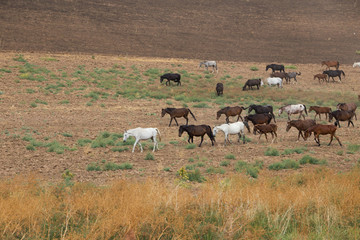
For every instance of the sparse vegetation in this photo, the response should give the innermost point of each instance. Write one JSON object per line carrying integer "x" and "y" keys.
{"x": 271, "y": 152}
{"x": 284, "y": 164}
{"x": 254, "y": 68}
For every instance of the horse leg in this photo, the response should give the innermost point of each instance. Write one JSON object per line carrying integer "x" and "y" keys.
{"x": 299, "y": 135}
{"x": 202, "y": 139}
{"x": 289, "y": 116}
{"x": 259, "y": 138}
{"x": 226, "y": 138}
{"x": 266, "y": 137}
{"x": 331, "y": 138}
{"x": 176, "y": 121}
{"x": 337, "y": 139}
{"x": 351, "y": 123}
{"x": 187, "y": 120}
{"x": 227, "y": 119}
{"x": 140, "y": 146}
{"x": 136, "y": 141}
{"x": 170, "y": 121}
{"x": 318, "y": 138}
{"x": 155, "y": 144}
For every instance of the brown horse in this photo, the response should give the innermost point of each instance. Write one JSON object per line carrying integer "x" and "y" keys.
{"x": 259, "y": 118}
{"x": 330, "y": 64}
{"x": 281, "y": 75}
{"x": 347, "y": 107}
{"x": 198, "y": 131}
{"x": 321, "y": 76}
{"x": 219, "y": 89}
{"x": 320, "y": 110}
{"x": 301, "y": 125}
{"x": 341, "y": 115}
{"x": 230, "y": 111}
{"x": 177, "y": 113}
{"x": 320, "y": 129}
{"x": 264, "y": 129}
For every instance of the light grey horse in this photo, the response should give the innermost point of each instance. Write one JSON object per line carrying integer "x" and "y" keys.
{"x": 292, "y": 75}
{"x": 208, "y": 64}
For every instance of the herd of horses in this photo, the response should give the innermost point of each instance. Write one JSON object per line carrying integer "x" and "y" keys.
{"x": 263, "y": 116}
{"x": 261, "y": 122}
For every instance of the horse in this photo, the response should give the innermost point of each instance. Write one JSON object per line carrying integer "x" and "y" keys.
{"x": 294, "y": 109}
{"x": 334, "y": 73}
{"x": 253, "y": 82}
{"x": 230, "y": 111}
{"x": 319, "y": 110}
{"x": 321, "y": 76}
{"x": 142, "y": 134}
{"x": 198, "y": 131}
{"x": 341, "y": 115}
{"x": 208, "y": 64}
{"x": 231, "y": 129}
{"x": 275, "y": 67}
{"x": 300, "y": 125}
{"x": 330, "y": 64}
{"x": 282, "y": 75}
{"x": 292, "y": 75}
{"x": 262, "y": 109}
{"x": 264, "y": 129}
{"x": 219, "y": 89}
{"x": 348, "y": 107}
{"x": 177, "y": 113}
{"x": 171, "y": 77}
{"x": 320, "y": 129}
{"x": 356, "y": 64}
{"x": 260, "y": 118}
{"x": 274, "y": 81}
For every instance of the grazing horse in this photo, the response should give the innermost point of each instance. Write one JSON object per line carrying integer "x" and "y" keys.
{"x": 262, "y": 109}
{"x": 253, "y": 82}
{"x": 177, "y": 113}
{"x": 230, "y": 111}
{"x": 300, "y": 125}
{"x": 258, "y": 119}
{"x": 341, "y": 115}
{"x": 219, "y": 89}
{"x": 231, "y": 129}
{"x": 197, "y": 131}
{"x": 276, "y": 67}
{"x": 348, "y": 107}
{"x": 274, "y": 81}
{"x": 293, "y": 75}
{"x": 356, "y": 64}
{"x": 264, "y": 129}
{"x": 208, "y": 64}
{"x": 171, "y": 77}
{"x": 319, "y": 110}
{"x": 330, "y": 64}
{"x": 282, "y": 75}
{"x": 320, "y": 129}
{"x": 334, "y": 73}
{"x": 142, "y": 134}
{"x": 294, "y": 109}
{"x": 321, "y": 76}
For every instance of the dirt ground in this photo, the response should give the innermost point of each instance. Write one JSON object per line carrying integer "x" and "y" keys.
{"x": 51, "y": 120}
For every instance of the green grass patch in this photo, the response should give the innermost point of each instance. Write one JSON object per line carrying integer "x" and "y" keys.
{"x": 195, "y": 176}
{"x": 357, "y": 52}
{"x": 272, "y": 152}
{"x": 190, "y": 146}
{"x": 67, "y": 134}
{"x": 290, "y": 67}
{"x": 225, "y": 163}
{"x": 201, "y": 105}
{"x": 64, "y": 102}
{"x": 292, "y": 151}
{"x": 251, "y": 169}
{"x": 19, "y": 58}
{"x": 284, "y": 164}
{"x": 229, "y": 156}
{"x": 119, "y": 149}
{"x": 5, "y": 70}
{"x": 311, "y": 160}
{"x": 254, "y": 68}
{"x": 353, "y": 148}
{"x": 215, "y": 170}
{"x": 149, "y": 156}
{"x": 83, "y": 141}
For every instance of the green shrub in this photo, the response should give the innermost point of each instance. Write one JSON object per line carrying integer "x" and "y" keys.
{"x": 353, "y": 148}
{"x": 190, "y": 146}
{"x": 195, "y": 176}
{"x": 248, "y": 168}
{"x": 119, "y": 149}
{"x": 30, "y": 147}
{"x": 149, "y": 156}
{"x": 284, "y": 164}
{"x": 67, "y": 134}
{"x": 33, "y": 105}
{"x": 271, "y": 152}
{"x": 93, "y": 167}
{"x": 214, "y": 170}
{"x": 84, "y": 141}
{"x": 311, "y": 160}
{"x": 225, "y": 163}
{"x": 254, "y": 68}
{"x": 167, "y": 169}
{"x": 230, "y": 156}
{"x": 291, "y": 151}
{"x": 290, "y": 67}
{"x": 201, "y": 105}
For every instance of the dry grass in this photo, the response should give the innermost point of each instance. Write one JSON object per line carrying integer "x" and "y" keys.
{"x": 318, "y": 204}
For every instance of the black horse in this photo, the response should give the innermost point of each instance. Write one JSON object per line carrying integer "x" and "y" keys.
{"x": 334, "y": 73}
{"x": 258, "y": 119}
{"x": 171, "y": 77}
{"x": 198, "y": 131}
{"x": 253, "y": 82}
{"x": 262, "y": 109}
{"x": 275, "y": 67}
{"x": 341, "y": 115}
{"x": 219, "y": 89}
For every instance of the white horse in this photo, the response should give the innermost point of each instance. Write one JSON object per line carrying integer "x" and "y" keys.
{"x": 208, "y": 64}
{"x": 274, "y": 81}
{"x": 142, "y": 134}
{"x": 294, "y": 109}
{"x": 356, "y": 64}
{"x": 231, "y": 129}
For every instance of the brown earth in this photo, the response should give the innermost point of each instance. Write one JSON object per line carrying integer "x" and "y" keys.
{"x": 249, "y": 30}
{"x": 50, "y": 119}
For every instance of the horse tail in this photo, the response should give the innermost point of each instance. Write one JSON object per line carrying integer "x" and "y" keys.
{"x": 305, "y": 109}
{"x": 158, "y": 133}
{"x": 210, "y": 133}
{"x": 343, "y": 72}
{"x": 192, "y": 114}
{"x": 337, "y": 65}
{"x": 247, "y": 125}
{"x": 243, "y": 108}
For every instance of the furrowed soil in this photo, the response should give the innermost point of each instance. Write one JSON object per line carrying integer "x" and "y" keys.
{"x": 47, "y": 98}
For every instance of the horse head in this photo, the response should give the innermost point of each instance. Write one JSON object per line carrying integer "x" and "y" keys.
{"x": 163, "y": 112}
{"x": 251, "y": 107}
{"x": 281, "y": 110}
{"x": 307, "y": 134}
{"x": 126, "y": 136}
{"x": 267, "y": 67}
{"x": 181, "y": 130}
{"x": 298, "y": 73}
{"x": 288, "y": 126}
{"x": 161, "y": 79}
{"x": 218, "y": 114}
{"x": 215, "y": 130}
{"x": 330, "y": 117}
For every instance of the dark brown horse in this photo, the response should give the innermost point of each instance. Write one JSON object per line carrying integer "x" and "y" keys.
{"x": 320, "y": 110}
{"x": 197, "y": 131}
{"x": 219, "y": 89}
{"x": 300, "y": 125}
{"x": 330, "y": 64}
{"x": 177, "y": 113}
{"x": 282, "y": 75}
{"x": 230, "y": 111}
{"x": 264, "y": 129}
{"x": 320, "y": 129}
{"x": 260, "y": 118}
{"x": 348, "y": 107}
{"x": 321, "y": 76}
{"x": 341, "y": 115}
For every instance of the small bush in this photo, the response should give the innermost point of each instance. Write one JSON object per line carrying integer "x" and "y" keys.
{"x": 253, "y": 68}
{"x": 119, "y": 149}
{"x": 225, "y": 163}
{"x": 195, "y": 176}
{"x": 30, "y": 148}
{"x": 353, "y": 148}
{"x": 201, "y": 105}
{"x": 311, "y": 160}
{"x": 284, "y": 164}
{"x": 214, "y": 170}
{"x": 291, "y": 151}
{"x": 291, "y": 67}
{"x": 190, "y": 146}
{"x": 149, "y": 156}
{"x": 67, "y": 134}
{"x": 230, "y": 156}
{"x": 33, "y": 105}
{"x": 93, "y": 167}
{"x": 82, "y": 142}
{"x": 167, "y": 169}
{"x": 248, "y": 168}
{"x": 271, "y": 152}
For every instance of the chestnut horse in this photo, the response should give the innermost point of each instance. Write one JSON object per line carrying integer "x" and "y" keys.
{"x": 320, "y": 129}
{"x": 177, "y": 113}
{"x": 341, "y": 115}
{"x": 321, "y": 76}
{"x": 348, "y": 107}
{"x": 320, "y": 110}
{"x": 264, "y": 129}
{"x": 330, "y": 64}
{"x": 300, "y": 125}
{"x": 197, "y": 131}
{"x": 230, "y": 111}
